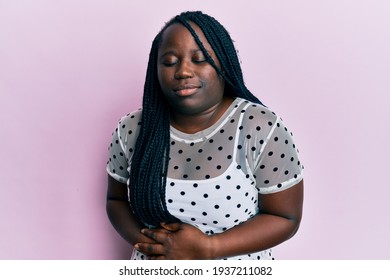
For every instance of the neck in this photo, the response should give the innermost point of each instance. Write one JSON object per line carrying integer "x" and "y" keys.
{"x": 194, "y": 123}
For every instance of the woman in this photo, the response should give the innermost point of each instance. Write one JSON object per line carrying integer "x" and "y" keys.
{"x": 204, "y": 170}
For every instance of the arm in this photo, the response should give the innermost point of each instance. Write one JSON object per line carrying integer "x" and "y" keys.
{"x": 120, "y": 214}
{"x": 278, "y": 220}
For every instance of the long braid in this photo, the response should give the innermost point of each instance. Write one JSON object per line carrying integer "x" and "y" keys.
{"x": 150, "y": 160}
{"x": 149, "y": 167}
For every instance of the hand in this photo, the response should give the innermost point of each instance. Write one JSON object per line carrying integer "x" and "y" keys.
{"x": 176, "y": 241}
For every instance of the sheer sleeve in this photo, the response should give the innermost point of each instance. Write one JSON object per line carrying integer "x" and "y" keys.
{"x": 122, "y": 146}
{"x": 278, "y": 166}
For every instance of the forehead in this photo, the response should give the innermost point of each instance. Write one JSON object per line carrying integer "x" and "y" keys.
{"x": 178, "y": 36}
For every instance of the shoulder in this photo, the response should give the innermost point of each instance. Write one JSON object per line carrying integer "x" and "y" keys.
{"x": 131, "y": 121}
{"x": 131, "y": 118}
{"x": 257, "y": 117}
{"x": 128, "y": 127}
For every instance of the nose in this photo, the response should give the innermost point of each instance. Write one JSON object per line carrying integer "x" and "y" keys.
{"x": 184, "y": 70}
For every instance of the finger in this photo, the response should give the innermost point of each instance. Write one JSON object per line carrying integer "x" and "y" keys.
{"x": 171, "y": 226}
{"x": 159, "y": 235}
{"x": 149, "y": 249}
{"x": 157, "y": 257}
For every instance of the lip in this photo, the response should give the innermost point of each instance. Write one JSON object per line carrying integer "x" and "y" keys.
{"x": 186, "y": 90}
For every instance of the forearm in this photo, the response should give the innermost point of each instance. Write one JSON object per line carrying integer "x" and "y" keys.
{"x": 262, "y": 232}
{"x": 124, "y": 221}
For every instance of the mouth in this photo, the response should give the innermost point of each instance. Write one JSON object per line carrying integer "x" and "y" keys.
{"x": 186, "y": 90}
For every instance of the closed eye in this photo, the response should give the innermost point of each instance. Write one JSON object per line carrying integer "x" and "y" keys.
{"x": 198, "y": 61}
{"x": 168, "y": 64}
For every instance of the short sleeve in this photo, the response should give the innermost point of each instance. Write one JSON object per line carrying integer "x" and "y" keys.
{"x": 117, "y": 165}
{"x": 122, "y": 146}
{"x": 278, "y": 167}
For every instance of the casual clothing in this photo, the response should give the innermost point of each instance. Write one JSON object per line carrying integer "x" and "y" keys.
{"x": 215, "y": 175}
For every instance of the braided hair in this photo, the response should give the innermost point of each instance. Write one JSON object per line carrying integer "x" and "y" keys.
{"x": 149, "y": 167}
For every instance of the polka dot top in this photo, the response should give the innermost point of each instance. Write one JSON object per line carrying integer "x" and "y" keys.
{"x": 215, "y": 175}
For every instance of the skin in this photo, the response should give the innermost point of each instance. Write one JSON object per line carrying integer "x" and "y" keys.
{"x": 192, "y": 87}
{"x": 195, "y": 93}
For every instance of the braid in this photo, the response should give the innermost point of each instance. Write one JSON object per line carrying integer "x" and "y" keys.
{"x": 222, "y": 45}
{"x": 150, "y": 159}
{"x": 149, "y": 166}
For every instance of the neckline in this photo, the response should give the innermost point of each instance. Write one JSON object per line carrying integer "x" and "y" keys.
{"x": 210, "y": 131}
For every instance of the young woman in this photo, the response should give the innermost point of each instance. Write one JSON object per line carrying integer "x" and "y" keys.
{"x": 204, "y": 170}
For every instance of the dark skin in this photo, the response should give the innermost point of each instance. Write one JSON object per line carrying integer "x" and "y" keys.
{"x": 195, "y": 93}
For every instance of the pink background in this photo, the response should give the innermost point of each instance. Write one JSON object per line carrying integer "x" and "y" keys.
{"x": 69, "y": 70}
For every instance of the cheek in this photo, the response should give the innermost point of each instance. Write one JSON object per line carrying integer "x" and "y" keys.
{"x": 217, "y": 82}
{"x": 163, "y": 77}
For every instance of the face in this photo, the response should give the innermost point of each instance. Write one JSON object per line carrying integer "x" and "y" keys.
{"x": 188, "y": 82}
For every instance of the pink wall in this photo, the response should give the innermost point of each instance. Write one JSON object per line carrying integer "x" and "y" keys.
{"x": 70, "y": 69}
